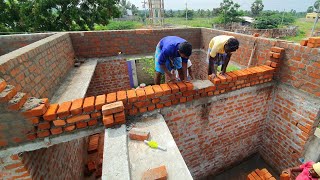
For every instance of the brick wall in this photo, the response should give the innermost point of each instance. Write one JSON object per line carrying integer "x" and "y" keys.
{"x": 39, "y": 67}
{"x": 62, "y": 161}
{"x": 291, "y": 122}
{"x": 199, "y": 65}
{"x": 218, "y": 132}
{"x": 109, "y": 43}
{"x": 12, "y": 42}
{"x": 109, "y": 76}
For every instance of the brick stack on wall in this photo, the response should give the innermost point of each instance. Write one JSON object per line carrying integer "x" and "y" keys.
{"x": 38, "y": 68}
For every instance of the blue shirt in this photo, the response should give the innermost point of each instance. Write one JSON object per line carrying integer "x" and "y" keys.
{"x": 169, "y": 48}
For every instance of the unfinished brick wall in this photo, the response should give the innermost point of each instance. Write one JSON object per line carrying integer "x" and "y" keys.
{"x": 109, "y": 76}
{"x": 12, "y": 42}
{"x": 199, "y": 64}
{"x": 109, "y": 43}
{"x": 38, "y": 68}
{"x": 62, "y": 161}
{"x": 291, "y": 122}
{"x": 218, "y": 132}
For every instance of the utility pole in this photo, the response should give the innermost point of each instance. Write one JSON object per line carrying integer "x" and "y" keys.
{"x": 145, "y": 11}
{"x": 315, "y": 21}
{"x": 186, "y": 11}
{"x": 282, "y": 16}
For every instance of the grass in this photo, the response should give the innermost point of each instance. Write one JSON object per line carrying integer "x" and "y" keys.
{"x": 305, "y": 27}
{"x": 119, "y": 25}
{"x": 196, "y": 22}
{"x": 230, "y": 68}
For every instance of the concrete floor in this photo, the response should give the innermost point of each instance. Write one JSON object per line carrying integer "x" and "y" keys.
{"x": 241, "y": 171}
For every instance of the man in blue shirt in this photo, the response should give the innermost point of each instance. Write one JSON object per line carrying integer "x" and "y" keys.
{"x": 172, "y": 52}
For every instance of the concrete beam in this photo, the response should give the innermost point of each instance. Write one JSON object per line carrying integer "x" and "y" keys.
{"x": 115, "y": 159}
{"x": 47, "y": 142}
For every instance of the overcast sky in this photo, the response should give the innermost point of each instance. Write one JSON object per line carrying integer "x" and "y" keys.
{"x": 298, "y": 5}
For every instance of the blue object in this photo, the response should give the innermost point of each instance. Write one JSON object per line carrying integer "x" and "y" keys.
{"x": 169, "y": 47}
{"x": 130, "y": 73}
{"x": 177, "y": 62}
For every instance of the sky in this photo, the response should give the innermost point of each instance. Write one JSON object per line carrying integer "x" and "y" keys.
{"x": 298, "y": 5}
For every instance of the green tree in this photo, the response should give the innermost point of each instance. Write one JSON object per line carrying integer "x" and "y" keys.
{"x": 310, "y": 9}
{"x": 190, "y": 14}
{"x": 272, "y": 19}
{"x": 256, "y": 7}
{"x": 317, "y": 5}
{"x": 229, "y": 11}
{"x": 57, "y": 15}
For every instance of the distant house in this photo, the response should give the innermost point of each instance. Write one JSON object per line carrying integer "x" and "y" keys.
{"x": 246, "y": 20}
{"x": 311, "y": 15}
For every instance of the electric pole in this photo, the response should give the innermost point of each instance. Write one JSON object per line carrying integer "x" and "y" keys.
{"x": 186, "y": 11}
{"x": 315, "y": 21}
{"x": 145, "y": 11}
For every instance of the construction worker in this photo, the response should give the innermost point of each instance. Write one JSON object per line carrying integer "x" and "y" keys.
{"x": 309, "y": 171}
{"x": 189, "y": 72}
{"x": 219, "y": 53}
{"x": 172, "y": 53}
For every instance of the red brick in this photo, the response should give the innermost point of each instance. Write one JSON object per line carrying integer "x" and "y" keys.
{"x": 89, "y": 104}
{"x": 76, "y": 107}
{"x": 17, "y": 101}
{"x": 8, "y": 93}
{"x": 80, "y": 125}
{"x": 112, "y": 97}
{"x": 78, "y": 118}
{"x": 112, "y": 108}
{"x": 143, "y": 109}
{"x": 174, "y": 88}
{"x": 216, "y": 80}
{"x": 210, "y": 88}
{"x": 152, "y": 107}
{"x": 51, "y": 113}
{"x": 157, "y": 90}
{"x": 183, "y": 99}
{"x": 132, "y": 96}
{"x": 100, "y": 101}
{"x": 108, "y": 120}
{"x": 3, "y": 143}
{"x": 159, "y": 173}
{"x": 156, "y": 100}
{"x": 222, "y": 78}
{"x": 141, "y": 94}
{"x": 59, "y": 123}
{"x": 14, "y": 157}
{"x": 31, "y": 137}
{"x": 233, "y": 76}
{"x": 314, "y": 40}
{"x": 277, "y": 49}
{"x": 3, "y": 85}
{"x": 133, "y": 111}
{"x": 149, "y": 92}
{"x": 69, "y": 128}
{"x": 276, "y": 55}
{"x": 274, "y": 65}
{"x": 167, "y": 103}
{"x": 139, "y": 134}
{"x": 96, "y": 115}
{"x": 304, "y": 42}
{"x": 38, "y": 111}
{"x": 44, "y": 125}
{"x": 13, "y": 166}
{"x": 159, "y": 105}
{"x": 92, "y": 122}
{"x": 42, "y": 134}
{"x": 56, "y": 131}
{"x": 64, "y": 110}
{"x": 182, "y": 86}
{"x": 122, "y": 96}
{"x": 166, "y": 89}
{"x": 119, "y": 117}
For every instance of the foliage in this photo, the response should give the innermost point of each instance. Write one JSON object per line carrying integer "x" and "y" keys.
{"x": 148, "y": 65}
{"x": 310, "y": 9}
{"x": 55, "y": 15}
{"x": 119, "y": 25}
{"x": 256, "y": 7}
{"x": 190, "y": 14}
{"x": 196, "y": 22}
{"x": 273, "y": 19}
{"x": 317, "y": 5}
{"x": 305, "y": 27}
{"x": 229, "y": 11}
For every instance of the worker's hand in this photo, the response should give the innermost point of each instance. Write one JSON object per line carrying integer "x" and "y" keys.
{"x": 213, "y": 75}
{"x": 222, "y": 74}
{"x": 287, "y": 171}
{"x": 172, "y": 78}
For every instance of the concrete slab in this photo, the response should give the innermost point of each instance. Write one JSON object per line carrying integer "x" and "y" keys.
{"x": 201, "y": 84}
{"x": 143, "y": 158}
{"x": 76, "y": 83}
{"x": 115, "y": 155}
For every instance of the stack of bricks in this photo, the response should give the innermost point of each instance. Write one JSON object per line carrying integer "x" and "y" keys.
{"x": 312, "y": 42}
{"x": 262, "y": 174}
{"x": 54, "y": 119}
{"x": 95, "y": 154}
{"x": 276, "y": 54}
{"x": 113, "y": 114}
{"x": 240, "y": 79}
